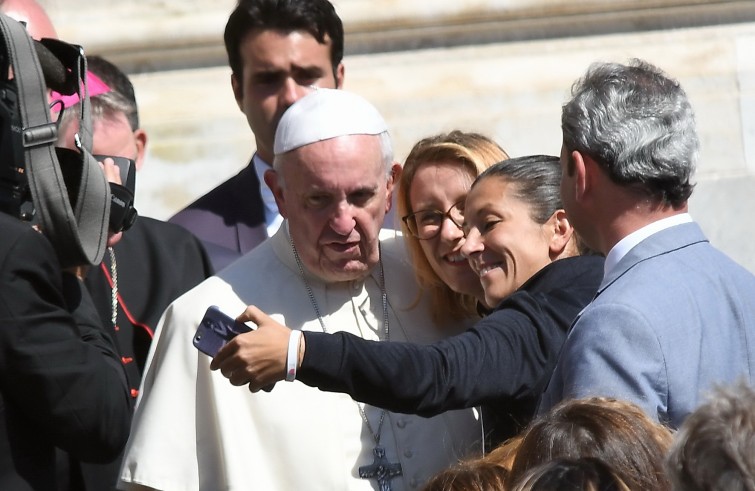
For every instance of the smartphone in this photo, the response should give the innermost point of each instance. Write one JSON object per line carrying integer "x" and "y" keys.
{"x": 215, "y": 330}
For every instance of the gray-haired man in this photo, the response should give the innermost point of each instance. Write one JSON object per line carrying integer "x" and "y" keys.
{"x": 673, "y": 315}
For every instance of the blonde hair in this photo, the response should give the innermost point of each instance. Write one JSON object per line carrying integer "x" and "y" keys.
{"x": 487, "y": 473}
{"x": 471, "y": 475}
{"x": 505, "y": 453}
{"x": 473, "y": 152}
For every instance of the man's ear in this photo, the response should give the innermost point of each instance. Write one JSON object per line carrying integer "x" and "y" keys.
{"x": 582, "y": 181}
{"x": 393, "y": 178}
{"x": 271, "y": 179}
{"x": 140, "y": 136}
{"x": 340, "y": 74}
{"x": 559, "y": 233}
{"x": 238, "y": 90}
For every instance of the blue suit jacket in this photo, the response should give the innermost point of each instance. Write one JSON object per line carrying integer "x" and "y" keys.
{"x": 674, "y": 318}
{"x": 229, "y": 220}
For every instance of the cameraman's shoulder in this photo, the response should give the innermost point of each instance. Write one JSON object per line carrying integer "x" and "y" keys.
{"x": 27, "y": 258}
{"x": 17, "y": 234}
{"x": 11, "y": 226}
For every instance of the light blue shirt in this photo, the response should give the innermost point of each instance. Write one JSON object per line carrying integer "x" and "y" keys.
{"x": 273, "y": 219}
{"x": 626, "y": 244}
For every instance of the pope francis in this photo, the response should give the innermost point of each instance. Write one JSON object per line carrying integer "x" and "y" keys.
{"x": 329, "y": 268}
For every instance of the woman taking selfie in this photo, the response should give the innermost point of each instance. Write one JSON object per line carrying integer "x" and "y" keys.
{"x": 527, "y": 257}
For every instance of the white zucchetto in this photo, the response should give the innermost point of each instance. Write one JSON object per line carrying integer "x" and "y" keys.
{"x": 324, "y": 114}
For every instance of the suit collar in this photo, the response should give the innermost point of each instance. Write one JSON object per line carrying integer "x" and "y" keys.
{"x": 273, "y": 219}
{"x": 249, "y": 220}
{"x": 621, "y": 248}
{"x": 665, "y": 241}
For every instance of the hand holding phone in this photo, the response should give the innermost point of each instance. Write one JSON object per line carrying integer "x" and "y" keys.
{"x": 215, "y": 330}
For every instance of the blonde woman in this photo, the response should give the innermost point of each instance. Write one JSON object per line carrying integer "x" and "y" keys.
{"x": 434, "y": 183}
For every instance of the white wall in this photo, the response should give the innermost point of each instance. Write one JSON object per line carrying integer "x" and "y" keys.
{"x": 509, "y": 83}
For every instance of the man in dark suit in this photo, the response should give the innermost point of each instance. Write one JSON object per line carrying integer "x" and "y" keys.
{"x": 277, "y": 50}
{"x": 673, "y": 316}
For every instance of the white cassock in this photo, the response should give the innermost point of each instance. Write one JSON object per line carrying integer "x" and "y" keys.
{"x": 193, "y": 430}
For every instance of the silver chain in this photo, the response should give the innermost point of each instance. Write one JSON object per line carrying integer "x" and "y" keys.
{"x": 375, "y": 434}
{"x": 114, "y": 297}
{"x": 386, "y": 327}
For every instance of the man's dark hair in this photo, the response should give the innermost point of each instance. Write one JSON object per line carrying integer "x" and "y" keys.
{"x": 536, "y": 180}
{"x": 316, "y": 17}
{"x": 118, "y": 83}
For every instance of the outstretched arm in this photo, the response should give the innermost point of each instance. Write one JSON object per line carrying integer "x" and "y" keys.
{"x": 506, "y": 355}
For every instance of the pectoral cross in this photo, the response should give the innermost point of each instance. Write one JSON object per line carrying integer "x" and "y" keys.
{"x": 381, "y": 469}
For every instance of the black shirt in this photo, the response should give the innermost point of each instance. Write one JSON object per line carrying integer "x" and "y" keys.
{"x": 504, "y": 362}
{"x": 61, "y": 383}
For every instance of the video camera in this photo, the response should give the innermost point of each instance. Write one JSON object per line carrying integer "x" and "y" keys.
{"x": 61, "y": 190}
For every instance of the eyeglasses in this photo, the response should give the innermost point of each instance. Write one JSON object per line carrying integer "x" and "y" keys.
{"x": 426, "y": 224}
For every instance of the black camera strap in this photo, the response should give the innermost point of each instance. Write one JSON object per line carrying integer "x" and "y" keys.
{"x": 77, "y": 227}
